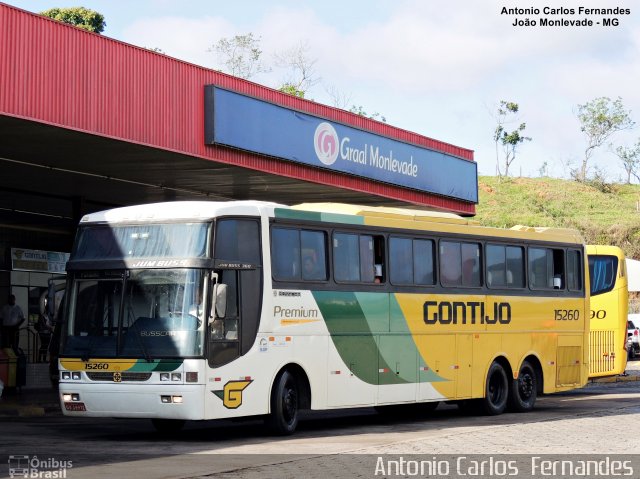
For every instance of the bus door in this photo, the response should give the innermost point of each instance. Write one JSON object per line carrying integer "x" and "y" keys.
{"x": 238, "y": 264}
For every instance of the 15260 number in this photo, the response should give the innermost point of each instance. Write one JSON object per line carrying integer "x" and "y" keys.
{"x": 566, "y": 314}
{"x": 97, "y": 366}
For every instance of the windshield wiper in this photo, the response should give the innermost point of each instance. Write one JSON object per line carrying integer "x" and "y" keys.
{"x": 86, "y": 353}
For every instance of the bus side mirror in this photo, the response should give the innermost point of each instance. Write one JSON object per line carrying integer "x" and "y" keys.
{"x": 219, "y": 301}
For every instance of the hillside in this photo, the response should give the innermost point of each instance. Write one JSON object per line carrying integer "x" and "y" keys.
{"x": 603, "y": 213}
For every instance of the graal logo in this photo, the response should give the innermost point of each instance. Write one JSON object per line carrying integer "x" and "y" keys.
{"x": 325, "y": 142}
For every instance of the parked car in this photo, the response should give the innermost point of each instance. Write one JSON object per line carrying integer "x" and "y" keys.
{"x": 633, "y": 338}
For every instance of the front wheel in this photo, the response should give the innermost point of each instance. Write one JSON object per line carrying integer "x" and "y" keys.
{"x": 496, "y": 391}
{"x": 283, "y": 418}
{"x": 524, "y": 390}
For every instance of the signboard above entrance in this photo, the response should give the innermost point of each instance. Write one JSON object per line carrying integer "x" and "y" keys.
{"x": 38, "y": 260}
{"x": 243, "y": 122}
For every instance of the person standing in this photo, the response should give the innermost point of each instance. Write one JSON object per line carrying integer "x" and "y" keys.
{"x": 12, "y": 317}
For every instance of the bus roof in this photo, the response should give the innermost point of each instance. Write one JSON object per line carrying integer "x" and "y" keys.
{"x": 432, "y": 220}
{"x": 404, "y": 218}
{"x": 180, "y": 211}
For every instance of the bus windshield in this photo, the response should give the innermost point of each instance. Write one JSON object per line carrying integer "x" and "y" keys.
{"x": 602, "y": 271}
{"x": 145, "y": 313}
{"x": 104, "y": 242}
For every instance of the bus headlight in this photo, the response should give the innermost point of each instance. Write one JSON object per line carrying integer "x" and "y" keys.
{"x": 66, "y": 375}
{"x": 176, "y": 377}
{"x": 164, "y": 377}
{"x": 171, "y": 399}
{"x": 76, "y": 375}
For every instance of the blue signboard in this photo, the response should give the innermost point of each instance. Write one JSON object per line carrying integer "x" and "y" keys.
{"x": 250, "y": 124}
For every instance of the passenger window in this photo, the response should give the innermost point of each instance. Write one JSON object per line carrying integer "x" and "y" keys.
{"x": 546, "y": 268}
{"x": 574, "y": 270}
{"x": 450, "y": 263}
{"x": 346, "y": 257}
{"x": 411, "y": 261}
{"x": 285, "y": 254}
{"x": 515, "y": 267}
{"x": 314, "y": 261}
{"x": 358, "y": 258}
{"x": 460, "y": 264}
{"x": 298, "y": 255}
{"x": 505, "y": 266}
{"x": 401, "y": 259}
{"x": 423, "y": 263}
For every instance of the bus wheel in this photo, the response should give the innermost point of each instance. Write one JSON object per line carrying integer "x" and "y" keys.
{"x": 496, "y": 391}
{"x": 524, "y": 390}
{"x": 167, "y": 426}
{"x": 283, "y": 418}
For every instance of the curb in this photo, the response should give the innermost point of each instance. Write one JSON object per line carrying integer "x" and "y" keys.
{"x": 28, "y": 410}
{"x": 616, "y": 379}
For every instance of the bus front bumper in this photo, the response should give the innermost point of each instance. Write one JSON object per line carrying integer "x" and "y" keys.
{"x": 133, "y": 401}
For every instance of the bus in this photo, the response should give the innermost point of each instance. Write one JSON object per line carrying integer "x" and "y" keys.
{"x": 608, "y": 311}
{"x": 204, "y": 310}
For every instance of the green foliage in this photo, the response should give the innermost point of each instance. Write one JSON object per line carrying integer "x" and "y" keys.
{"x": 300, "y": 66}
{"x": 240, "y": 55}
{"x": 510, "y": 140}
{"x": 604, "y": 213}
{"x": 80, "y": 17}
{"x": 630, "y": 157}
{"x": 599, "y": 119}
{"x": 358, "y": 110}
{"x": 291, "y": 90}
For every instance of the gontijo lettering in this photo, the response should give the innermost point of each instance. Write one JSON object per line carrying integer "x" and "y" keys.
{"x": 470, "y": 312}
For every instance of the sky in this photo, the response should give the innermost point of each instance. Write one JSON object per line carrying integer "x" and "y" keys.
{"x": 435, "y": 67}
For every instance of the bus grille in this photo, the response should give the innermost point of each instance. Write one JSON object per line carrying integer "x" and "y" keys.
{"x": 124, "y": 377}
{"x": 602, "y": 352}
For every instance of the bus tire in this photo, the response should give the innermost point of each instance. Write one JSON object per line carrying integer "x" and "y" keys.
{"x": 524, "y": 389}
{"x": 168, "y": 426}
{"x": 283, "y": 418}
{"x": 496, "y": 391}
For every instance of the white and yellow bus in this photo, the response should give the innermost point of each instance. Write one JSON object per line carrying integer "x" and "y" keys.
{"x": 609, "y": 308}
{"x": 203, "y": 310}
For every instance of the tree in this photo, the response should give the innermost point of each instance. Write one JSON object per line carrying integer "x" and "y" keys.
{"x": 290, "y": 89}
{"x": 510, "y": 140}
{"x": 630, "y": 157}
{"x": 599, "y": 119}
{"x": 358, "y": 110}
{"x": 80, "y": 17}
{"x": 240, "y": 55}
{"x": 302, "y": 75}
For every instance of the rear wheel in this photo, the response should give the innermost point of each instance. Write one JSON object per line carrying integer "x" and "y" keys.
{"x": 167, "y": 426}
{"x": 283, "y": 418}
{"x": 496, "y": 391}
{"x": 524, "y": 390}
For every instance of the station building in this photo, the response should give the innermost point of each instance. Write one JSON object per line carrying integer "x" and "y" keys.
{"x": 89, "y": 123}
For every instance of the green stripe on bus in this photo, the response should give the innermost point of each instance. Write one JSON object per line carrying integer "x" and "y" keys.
{"x": 359, "y": 328}
{"x": 156, "y": 365}
{"x": 318, "y": 216}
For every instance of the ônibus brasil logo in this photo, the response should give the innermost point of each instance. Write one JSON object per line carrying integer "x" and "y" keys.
{"x": 325, "y": 142}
